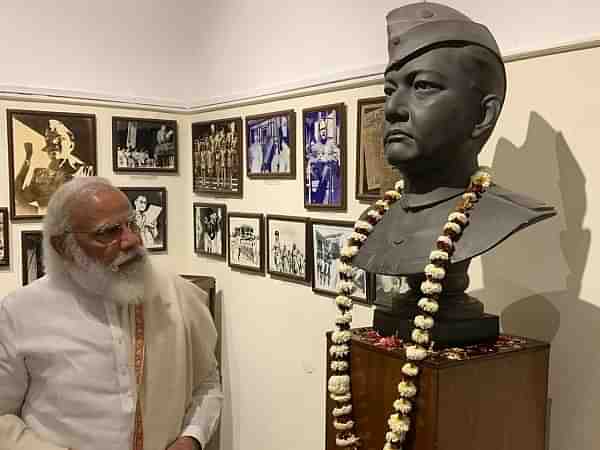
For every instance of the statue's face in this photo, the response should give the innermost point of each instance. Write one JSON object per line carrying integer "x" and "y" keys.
{"x": 431, "y": 109}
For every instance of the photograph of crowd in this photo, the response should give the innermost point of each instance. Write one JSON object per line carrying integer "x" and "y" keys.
{"x": 217, "y": 157}
{"x": 149, "y": 206}
{"x": 324, "y": 148}
{"x": 144, "y": 145}
{"x": 271, "y": 145}
{"x": 45, "y": 150}
{"x": 246, "y": 241}
{"x": 388, "y": 288}
{"x": 4, "y": 242}
{"x": 329, "y": 237}
{"x": 209, "y": 229}
{"x": 288, "y": 246}
{"x": 31, "y": 256}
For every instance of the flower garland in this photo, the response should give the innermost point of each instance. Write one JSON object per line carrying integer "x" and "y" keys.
{"x": 339, "y": 383}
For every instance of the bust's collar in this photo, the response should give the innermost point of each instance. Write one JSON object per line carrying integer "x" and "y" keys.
{"x": 438, "y": 195}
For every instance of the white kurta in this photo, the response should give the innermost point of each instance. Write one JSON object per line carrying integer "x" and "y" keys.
{"x": 65, "y": 374}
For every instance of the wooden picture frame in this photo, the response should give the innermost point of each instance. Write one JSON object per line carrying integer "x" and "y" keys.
{"x": 271, "y": 145}
{"x": 149, "y": 206}
{"x": 46, "y": 149}
{"x": 217, "y": 161}
{"x": 246, "y": 241}
{"x": 328, "y": 238}
{"x": 324, "y": 156}
{"x": 4, "y": 238}
{"x": 210, "y": 229}
{"x": 289, "y": 247}
{"x": 141, "y": 145}
{"x": 32, "y": 256}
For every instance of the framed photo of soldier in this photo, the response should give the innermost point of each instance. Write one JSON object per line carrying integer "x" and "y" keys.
{"x": 144, "y": 145}
{"x": 271, "y": 145}
{"x": 288, "y": 247}
{"x": 217, "y": 161}
{"x": 328, "y": 238}
{"x": 149, "y": 206}
{"x": 45, "y": 150}
{"x": 324, "y": 156}
{"x": 210, "y": 229}
{"x": 246, "y": 241}
{"x": 31, "y": 256}
{"x": 4, "y": 239}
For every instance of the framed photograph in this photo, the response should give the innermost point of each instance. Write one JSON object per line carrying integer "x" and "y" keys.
{"x": 387, "y": 287}
{"x": 373, "y": 173}
{"x": 288, "y": 247}
{"x": 32, "y": 256}
{"x": 271, "y": 145}
{"x": 149, "y": 205}
{"x": 210, "y": 229}
{"x": 4, "y": 241}
{"x": 329, "y": 236}
{"x": 144, "y": 145}
{"x": 45, "y": 150}
{"x": 217, "y": 157}
{"x": 324, "y": 148}
{"x": 246, "y": 241}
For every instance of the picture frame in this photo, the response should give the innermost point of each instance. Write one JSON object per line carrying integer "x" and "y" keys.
{"x": 328, "y": 238}
{"x": 32, "y": 256}
{"x": 46, "y": 149}
{"x": 210, "y": 229}
{"x": 149, "y": 206}
{"x": 271, "y": 145}
{"x": 385, "y": 288}
{"x": 142, "y": 145}
{"x": 217, "y": 162}
{"x": 324, "y": 157}
{"x": 246, "y": 241}
{"x": 289, "y": 247}
{"x": 4, "y": 238}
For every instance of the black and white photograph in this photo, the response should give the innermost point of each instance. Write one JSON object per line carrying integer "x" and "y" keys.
{"x": 144, "y": 145}
{"x": 32, "y": 256}
{"x": 217, "y": 157}
{"x": 271, "y": 145}
{"x": 246, "y": 241}
{"x": 329, "y": 237}
{"x": 288, "y": 247}
{"x": 4, "y": 242}
{"x": 45, "y": 150}
{"x": 210, "y": 229}
{"x": 324, "y": 151}
{"x": 149, "y": 206}
{"x": 387, "y": 288}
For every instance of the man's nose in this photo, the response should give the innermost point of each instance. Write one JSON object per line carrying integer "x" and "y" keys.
{"x": 396, "y": 108}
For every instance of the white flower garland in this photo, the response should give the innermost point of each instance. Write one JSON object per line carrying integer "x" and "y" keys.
{"x": 435, "y": 272}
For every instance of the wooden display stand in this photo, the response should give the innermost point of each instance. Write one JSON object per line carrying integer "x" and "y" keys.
{"x": 493, "y": 400}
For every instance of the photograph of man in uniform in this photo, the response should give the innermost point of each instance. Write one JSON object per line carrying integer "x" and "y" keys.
{"x": 209, "y": 234}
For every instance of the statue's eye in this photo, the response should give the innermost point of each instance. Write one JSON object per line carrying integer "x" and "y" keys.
{"x": 388, "y": 90}
{"x": 424, "y": 85}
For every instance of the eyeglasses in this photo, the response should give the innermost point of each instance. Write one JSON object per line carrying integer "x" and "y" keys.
{"x": 110, "y": 233}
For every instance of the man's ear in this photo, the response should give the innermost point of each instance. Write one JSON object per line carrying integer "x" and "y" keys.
{"x": 490, "y": 106}
{"x": 58, "y": 242}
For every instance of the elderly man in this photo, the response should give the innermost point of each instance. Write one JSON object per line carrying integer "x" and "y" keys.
{"x": 105, "y": 353}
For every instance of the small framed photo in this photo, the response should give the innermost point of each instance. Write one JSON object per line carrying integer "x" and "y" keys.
{"x": 329, "y": 237}
{"x": 217, "y": 157}
{"x": 246, "y": 241}
{"x": 288, "y": 247}
{"x": 144, "y": 145}
{"x": 32, "y": 256}
{"x": 324, "y": 148}
{"x": 386, "y": 288}
{"x": 210, "y": 229}
{"x": 45, "y": 150}
{"x": 149, "y": 205}
{"x": 4, "y": 240}
{"x": 271, "y": 145}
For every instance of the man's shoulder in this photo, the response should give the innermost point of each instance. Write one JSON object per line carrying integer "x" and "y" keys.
{"x": 498, "y": 193}
{"x": 27, "y": 299}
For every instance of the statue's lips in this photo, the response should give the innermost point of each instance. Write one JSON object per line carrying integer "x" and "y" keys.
{"x": 397, "y": 136}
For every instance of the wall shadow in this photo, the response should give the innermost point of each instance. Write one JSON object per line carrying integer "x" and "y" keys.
{"x": 533, "y": 280}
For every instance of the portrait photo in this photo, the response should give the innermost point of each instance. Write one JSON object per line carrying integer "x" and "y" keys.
{"x": 324, "y": 148}
{"x": 329, "y": 237}
{"x": 388, "y": 287}
{"x": 4, "y": 242}
{"x": 31, "y": 256}
{"x": 144, "y": 145}
{"x": 210, "y": 229}
{"x": 271, "y": 145}
{"x": 288, "y": 247}
{"x": 45, "y": 150}
{"x": 149, "y": 206}
{"x": 246, "y": 241}
{"x": 217, "y": 157}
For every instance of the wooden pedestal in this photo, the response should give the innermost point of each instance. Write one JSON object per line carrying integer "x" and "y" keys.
{"x": 493, "y": 400}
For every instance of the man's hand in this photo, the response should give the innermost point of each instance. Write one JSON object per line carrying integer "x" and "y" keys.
{"x": 185, "y": 443}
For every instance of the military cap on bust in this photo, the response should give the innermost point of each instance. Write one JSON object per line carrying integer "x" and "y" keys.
{"x": 416, "y": 27}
